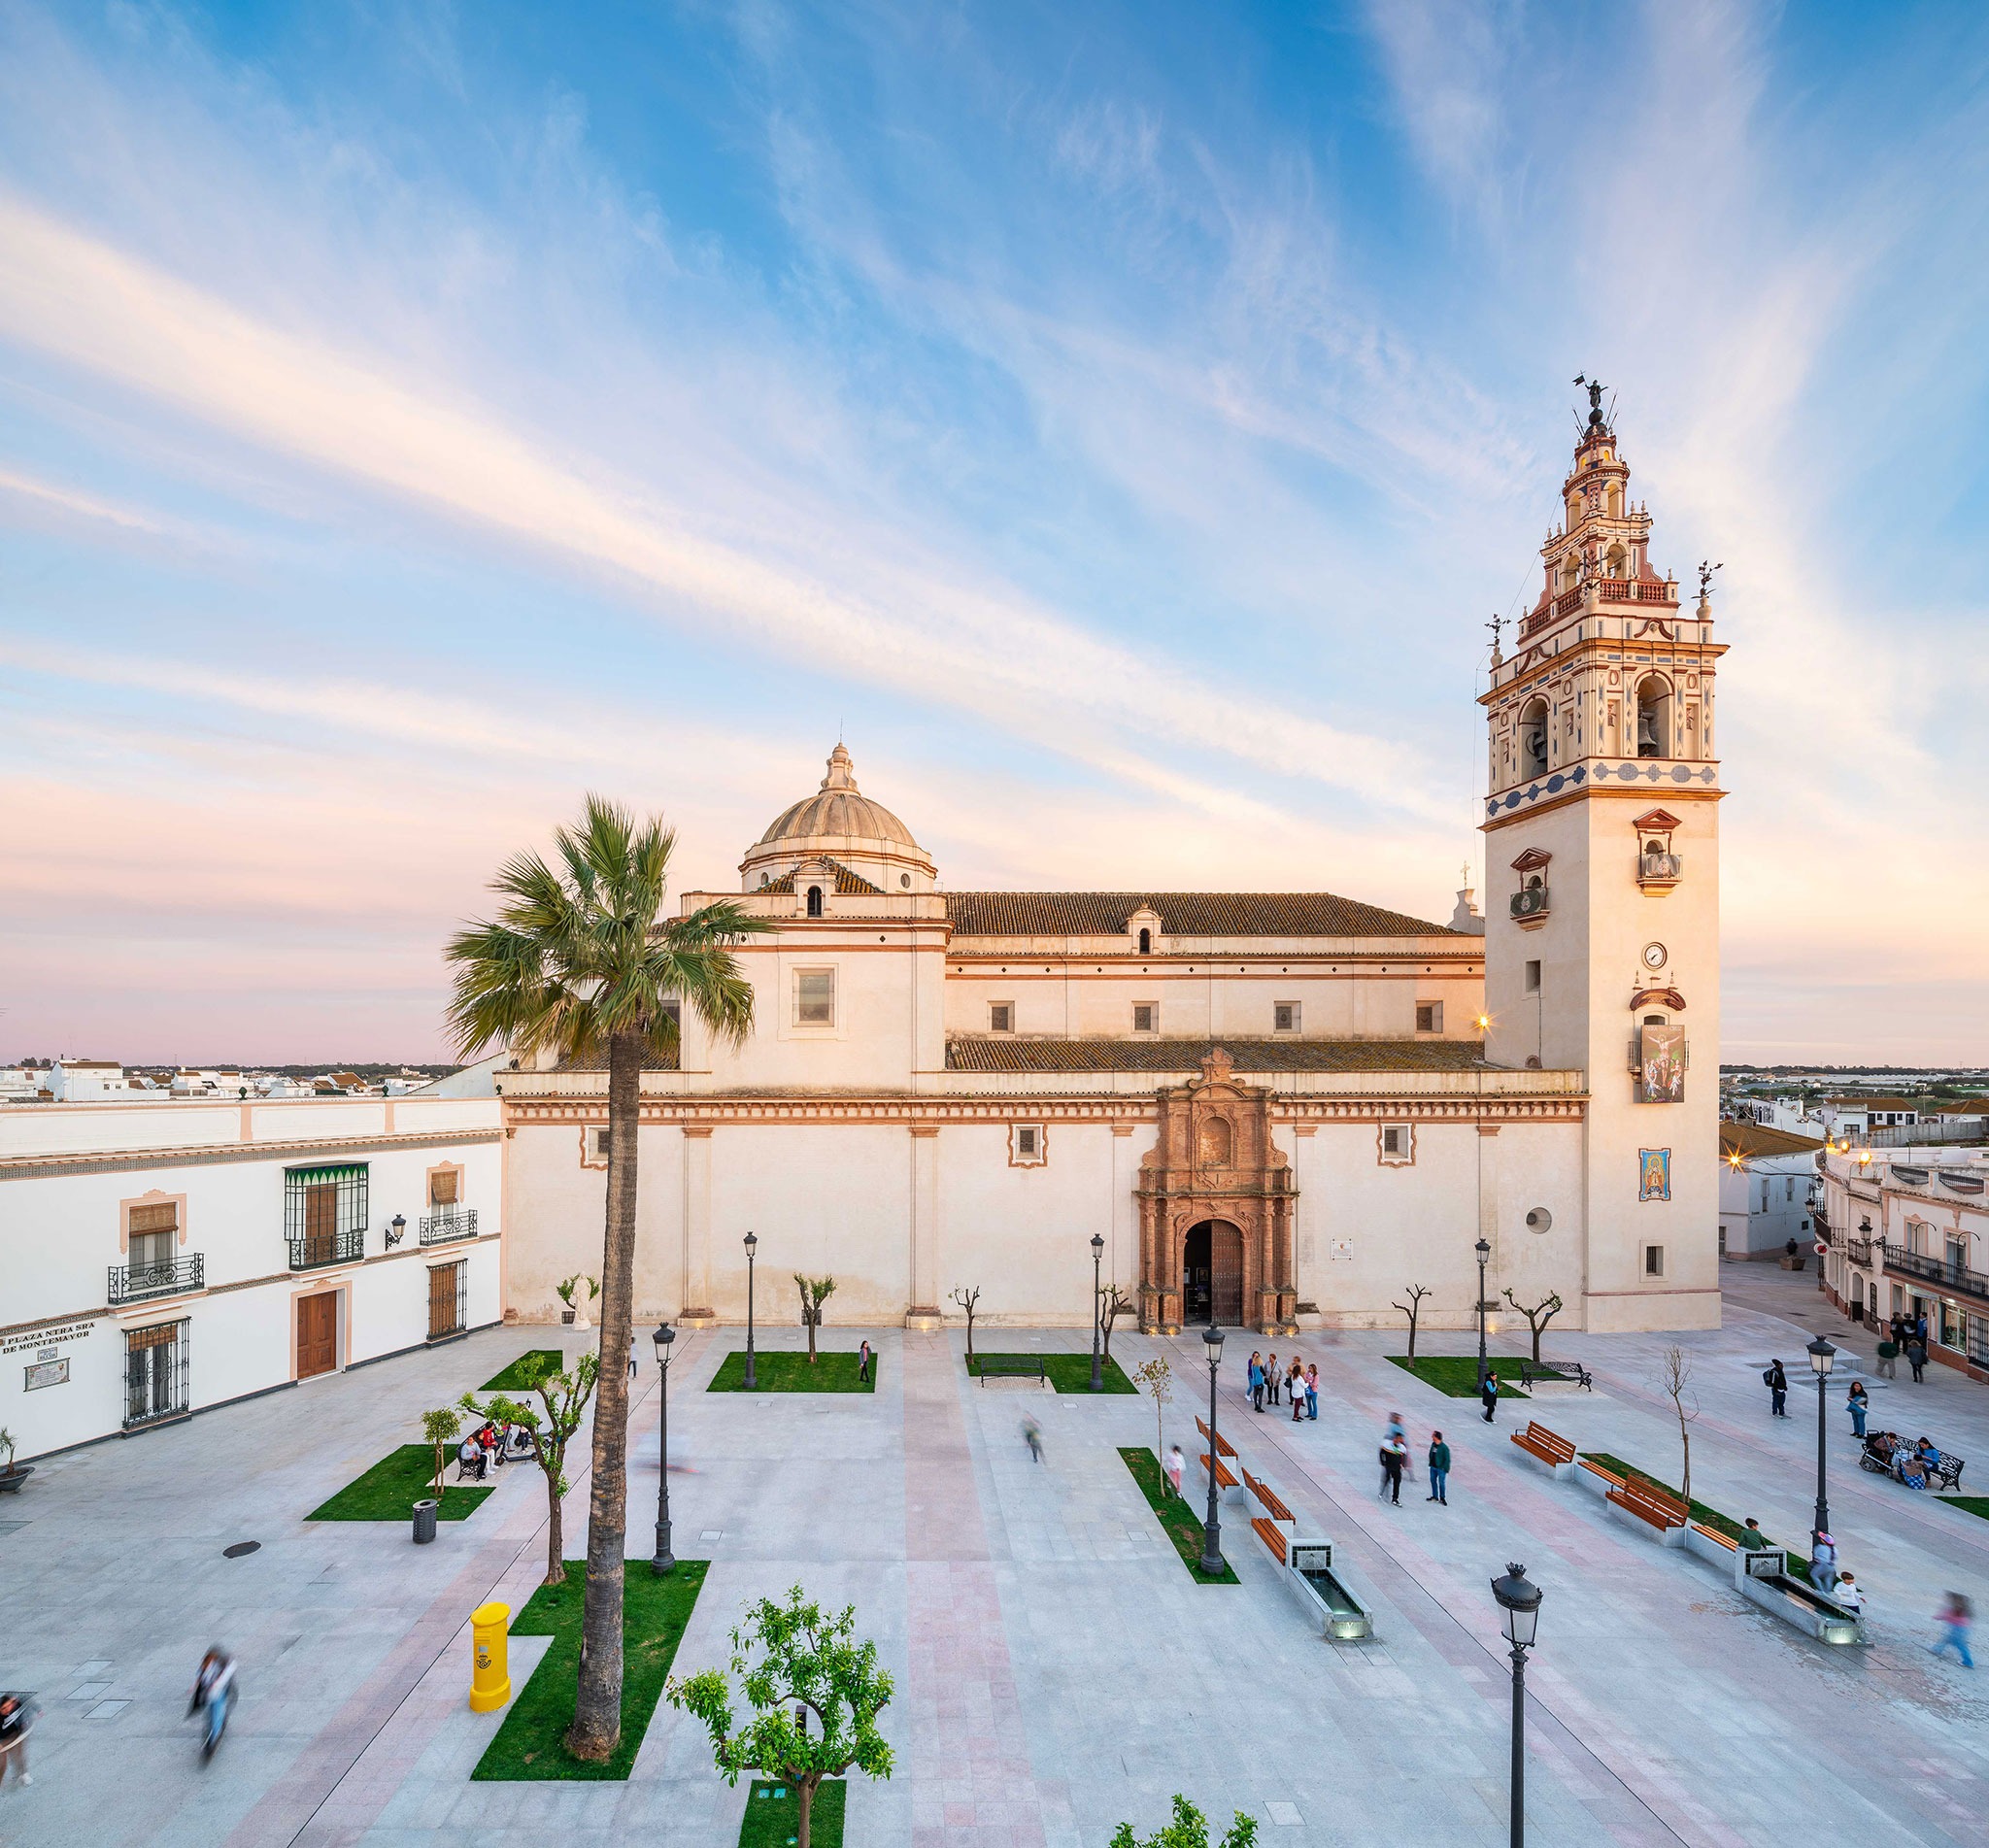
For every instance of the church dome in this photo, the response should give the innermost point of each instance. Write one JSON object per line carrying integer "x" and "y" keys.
{"x": 838, "y": 811}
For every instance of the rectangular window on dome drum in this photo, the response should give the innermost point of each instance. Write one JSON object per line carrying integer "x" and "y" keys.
{"x": 1284, "y": 1017}
{"x": 1145, "y": 1016}
{"x": 815, "y": 997}
{"x": 1001, "y": 1017}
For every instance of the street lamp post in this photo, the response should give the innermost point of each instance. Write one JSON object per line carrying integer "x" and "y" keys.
{"x": 1097, "y": 1314}
{"x": 1484, "y": 1252}
{"x": 665, "y": 1560}
{"x": 1520, "y": 1600}
{"x": 1822, "y": 1356}
{"x": 752, "y": 1246}
{"x": 1212, "y": 1529}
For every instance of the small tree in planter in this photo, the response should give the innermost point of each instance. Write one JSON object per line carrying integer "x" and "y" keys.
{"x": 807, "y": 1663}
{"x": 11, "y": 1477}
{"x": 1412, "y": 1309}
{"x": 570, "y": 1287}
{"x": 815, "y": 1292}
{"x": 551, "y": 1425}
{"x": 1111, "y": 1306}
{"x": 1538, "y": 1316}
{"x": 440, "y": 1428}
{"x": 1676, "y": 1376}
{"x": 1157, "y": 1378}
{"x": 1189, "y": 1829}
{"x": 969, "y": 1300}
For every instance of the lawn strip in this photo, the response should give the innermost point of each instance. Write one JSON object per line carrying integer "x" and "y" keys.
{"x": 532, "y": 1743}
{"x": 773, "y": 1821}
{"x": 1067, "y": 1372}
{"x": 511, "y": 1379}
{"x": 1179, "y": 1520}
{"x": 1707, "y": 1517}
{"x": 787, "y": 1370}
{"x": 389, "y": 1489}
{"x": 1456, "y": 1375}
{"x": 1968, "y": 1505}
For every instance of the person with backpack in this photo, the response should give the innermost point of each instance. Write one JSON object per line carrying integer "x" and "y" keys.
{"x": 1488, "y": 1393}
{"x": 1394, "y": 1455}
{"x": 1777, "y": 1383}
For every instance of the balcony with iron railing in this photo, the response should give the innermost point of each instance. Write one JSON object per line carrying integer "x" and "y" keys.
{"x": 446, "y": 1224}
{"x": 1956, "y": 1280}
{"x": 315, "y": 1250}
{"x": 141, "y": 1283}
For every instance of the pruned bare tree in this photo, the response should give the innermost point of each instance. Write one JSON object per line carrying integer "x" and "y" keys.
{"x": 1111, "y": 1306}
{"x": 1675, "y": 1377}
{"x": 1412, "y": 1309}
{"x": 1538, "y": 1316}
{"x": 968, "y": 1300}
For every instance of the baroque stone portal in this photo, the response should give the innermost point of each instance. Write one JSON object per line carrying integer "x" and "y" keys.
{"x": 1216, "y": 1207}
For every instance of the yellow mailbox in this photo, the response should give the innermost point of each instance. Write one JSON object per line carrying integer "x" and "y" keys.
{"x": 490, "y": 1676}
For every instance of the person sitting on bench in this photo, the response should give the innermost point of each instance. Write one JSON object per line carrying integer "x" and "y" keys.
{"x": 470, "y": 1459}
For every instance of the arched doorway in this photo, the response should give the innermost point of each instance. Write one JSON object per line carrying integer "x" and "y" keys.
{"x": 1212, "y": 1273}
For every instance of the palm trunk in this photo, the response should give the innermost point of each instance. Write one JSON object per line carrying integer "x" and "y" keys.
{"x": 596, "y": 1727}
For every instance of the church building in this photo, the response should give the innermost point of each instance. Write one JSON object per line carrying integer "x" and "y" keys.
{"x": 1274, "y": 1109}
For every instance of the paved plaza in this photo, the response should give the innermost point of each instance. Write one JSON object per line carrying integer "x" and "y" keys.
{"x": 1057, "y": 1671}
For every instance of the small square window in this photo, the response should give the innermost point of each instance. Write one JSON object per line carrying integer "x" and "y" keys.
{"x": 1396, "y": 1145}
{"x": 1026, "y": 1141}
{"x": 1429, "y": 1016}
{"x": 593, "y": 1147}
{"x": 814, "y": 997}
{"x": 1532, "y": 982}
{"x": 1146, "y": 1017}
{"x": 1285, "y": 1017}
{"x": 1654, "y": 1260}
{"x": 1028, "y": 1145}
{"x": 1001, "y": 1017}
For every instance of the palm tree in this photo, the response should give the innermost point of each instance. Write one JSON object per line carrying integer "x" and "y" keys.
{"x": 581, "y": 962}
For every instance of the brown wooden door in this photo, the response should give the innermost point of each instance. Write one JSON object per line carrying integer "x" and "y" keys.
{"x": 1225, "y": 1273}
{"x": 442, "y": 1300}
{"x": 316, "y": 1334}
{"x": 320, "y": 1225}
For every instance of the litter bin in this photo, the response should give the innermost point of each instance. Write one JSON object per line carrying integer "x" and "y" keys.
{"x": 425, "y": 1521}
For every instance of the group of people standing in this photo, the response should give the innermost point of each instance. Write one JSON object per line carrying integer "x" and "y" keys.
{"x": 1908, "y": 1335}
{"x": 1297, "y": 1381}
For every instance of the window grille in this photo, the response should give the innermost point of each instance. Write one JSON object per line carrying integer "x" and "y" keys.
{"x": 324, "y": 1214}
{"x": 156, "y": 1372}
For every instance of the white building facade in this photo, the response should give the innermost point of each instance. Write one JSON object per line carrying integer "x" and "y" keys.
{"x": 161, "y": 1259}
{"x": 1272, "y": 1109}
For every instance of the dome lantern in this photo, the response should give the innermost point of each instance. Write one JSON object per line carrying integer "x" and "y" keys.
{"x": 841, "y": 825}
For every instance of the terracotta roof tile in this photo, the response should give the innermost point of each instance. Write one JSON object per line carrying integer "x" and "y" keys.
{"x": 846, "y": 883}
{"x": 1748, "y": 1140}
{"x": 1186, "y": 1054}
{"x": 1182, "y": 913}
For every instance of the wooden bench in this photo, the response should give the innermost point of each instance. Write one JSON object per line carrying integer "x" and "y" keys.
{"x": 1222, "y": 1444}
{"x": 1713, "y": 1533}
{"x": 1017, "y": 1367}
{"x": 1597, "y": 1470}
{"x": 1225, "y": 1476}
{"x": 1552, "y": 1449}
{"x": 1651, "y": 1504}
{"x": 1271, "y": 1534}
{"x": 1268, "y": 1496}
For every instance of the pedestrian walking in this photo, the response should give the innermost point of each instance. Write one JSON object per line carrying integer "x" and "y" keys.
{"x": 1438, "y": 1461}
{"x": 1889, "y": 1357}
{"x": 1397, "y": 1434}
{"x": 1488, "y": 1393}
{"x": 631, "y": 1362}
{"x": 1312, "y": 1392}
{"x": 1859, "y": 1404}
{"x": 1175, "y": 1464}
{"x": 1846, "y": 1592}
{"x": 213, "y": 1690}
{"x": 1823, "y": 1564}
{"x": 1033, "y": 1436}
{"x": 1916, "y": 1357}
{"x": 1954, "y": 1619}
{"x": 16, "y": 1721}
{"x": 1777, "y": 1383}
{"x": 863, "y": 1360}
{"x": 1256, "y": 1379}
{"x": 1393, "y": 1457}
{"x": 1270, "y": 1378}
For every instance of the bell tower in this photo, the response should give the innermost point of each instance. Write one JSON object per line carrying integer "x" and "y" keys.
{"x": 1601, "y": 874}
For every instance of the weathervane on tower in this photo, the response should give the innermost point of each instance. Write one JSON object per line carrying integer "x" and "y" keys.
{"x": 1705, "y": 579}
{"x": 1596, "y": 388}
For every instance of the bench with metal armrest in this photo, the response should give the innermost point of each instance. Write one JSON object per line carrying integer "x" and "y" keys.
{"x": 1550, "y": 1447}
{"x": 1010, "y": 1367}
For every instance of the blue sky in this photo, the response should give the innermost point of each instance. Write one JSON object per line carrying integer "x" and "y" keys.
{"x": 1117, "y": 422}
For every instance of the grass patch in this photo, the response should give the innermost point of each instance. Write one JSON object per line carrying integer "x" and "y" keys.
{"x": 532, "y": 1743}
{"x": 1968, "y": 1505}
{"x": 1456, "y": 1374}
{"x": 1174, "y": 1513}
{"x": 389, "y": 1489}
{"x": 774, "y": 1816}
{"x": 1068, "y": 1372}
{"x": 511, "y": 1379}
{"x": 788, "y": 1372}
{"x": 1707, "y": 1517}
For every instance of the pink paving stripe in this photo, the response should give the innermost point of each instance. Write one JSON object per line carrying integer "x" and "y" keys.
{"x": 971, "y": 1775}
